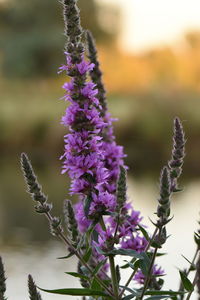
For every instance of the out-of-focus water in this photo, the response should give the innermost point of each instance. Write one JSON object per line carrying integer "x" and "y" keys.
{"x": 48, "y": 272}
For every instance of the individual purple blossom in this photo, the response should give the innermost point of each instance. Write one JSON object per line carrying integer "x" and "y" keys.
{"x": 102, "y": 203}
{"x": 134, "y": 242}
{"x": 84, "y": 67}
{"x": 156, "y": 271}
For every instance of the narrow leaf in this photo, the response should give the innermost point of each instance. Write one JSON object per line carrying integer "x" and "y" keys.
{"x": 74, "y": 274}
{"x": 65, "y": 257}
{"x": 145, "y": 263}
{"x": 87, "y": 255}
{"x": 126, "y": 252}
{"x": 144, "y": 232}
{"x": 87, "y": 204}
{"x": 192, "y": 266}
{"x": 157, "y": 297}
{"x": 98, "y": 267}
{"x": 76, "y": 292}
{"x": 186, "y": 282}
{"x": 166, "y": 293}
{"x": 131, "y": 296}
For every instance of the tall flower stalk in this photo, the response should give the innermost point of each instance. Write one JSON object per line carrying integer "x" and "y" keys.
{"x": 103, "y": 224}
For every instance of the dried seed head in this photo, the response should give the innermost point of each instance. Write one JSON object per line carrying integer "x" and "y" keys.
{"x": 178, "y": 154}
{"x": 33, "y": 293}
{"x": 121, "y": 189}
{"x": 31, "y": 180}
{"x": 71, "y": 222}
{"x": 163, "y": 210}
{"x": 2, "y": 281}
{"x": 96, "y": 74}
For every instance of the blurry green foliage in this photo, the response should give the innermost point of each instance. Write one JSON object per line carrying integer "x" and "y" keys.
{"x": 32, "y": 38}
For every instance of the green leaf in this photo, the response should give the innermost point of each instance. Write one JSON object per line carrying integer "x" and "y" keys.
{"x": 74, "y": 274}
{"x": 160, "y": 254}
{"x": 155, "y": 245}
{"x": 197, "y": 238}
{"x": 134, "y": 266}
{"x": 144, "y": 232}
{"x": 186, "y": 282}
{"x": 95, "y": 236}
{"x": 127, "y": 263}
{"x": 128, "y": 297}
{"x": 127, "y": 252}
{"x": 76, "y": 292}
{"x": 164, "y": 293}
{"x": 98, "y": 267}
{"x": 95, "y": 285}
{"x": 145, "y": 263}
{"x": 192, "y": 266}
{"x": 87, "y": 255}
{"x": 87, "y": 204}
{"x": 126, "y": 288}
{"x": 157, "y": 297}
{"x": 65, "y": 257}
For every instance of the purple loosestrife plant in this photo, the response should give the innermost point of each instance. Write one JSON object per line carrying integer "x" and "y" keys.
{"x": 103, "y": 225}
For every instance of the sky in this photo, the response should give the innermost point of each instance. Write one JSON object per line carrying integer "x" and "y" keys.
{"x": 149, "y": 23}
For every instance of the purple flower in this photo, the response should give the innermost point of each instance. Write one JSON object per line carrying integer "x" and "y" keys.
{"x": 84, "y": 67}
{"x": 140, "y": 277}
{"x": 136, "y": 243}
{"x": 101, "y": 203}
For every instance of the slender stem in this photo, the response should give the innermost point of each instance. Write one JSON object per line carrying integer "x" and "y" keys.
{"x": 127, "y": 283}
{"x": 149, "y": 274}
{"x": 80, "y": 257}
{"x": 151, "y": 265}
{"x": 133, "y": 273}
{"x": 112, "y": 266}
{"x": 114, "y": 276}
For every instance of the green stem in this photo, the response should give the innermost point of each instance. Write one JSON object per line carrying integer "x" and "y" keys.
{"x": 112, "y": 266}
{"x": 152, "y": 263}
{"x": 114, "y": 276}
{"x": 149, "y": 274}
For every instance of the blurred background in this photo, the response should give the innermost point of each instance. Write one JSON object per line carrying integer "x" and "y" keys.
{"x": 150, "y": 56}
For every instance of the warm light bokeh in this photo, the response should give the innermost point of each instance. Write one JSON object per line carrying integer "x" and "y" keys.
{"x": 147, "y": 24}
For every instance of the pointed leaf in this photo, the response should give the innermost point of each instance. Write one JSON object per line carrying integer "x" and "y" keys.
{"x": 127, "y": 252}
{"x": 74, "y": 274}
{"x": 87, "y": 204}
{"x": 145, "y": 263}
{"x": 98, "y": 267}
{"x": 65, "y": 257}
{"x": 164, "y": 293}
{"x": 144, "y": 232}
{"x": 127, "y": 263}
{"x": 76, "y": 292}
{"x": 157, "y": 297}
{"x": 95, "y": 285}
{"x": 128, "y": 297}
{"x": 87, "y": 255}
{"x": 186, "y": 282}
{"x": 192, "y": 266}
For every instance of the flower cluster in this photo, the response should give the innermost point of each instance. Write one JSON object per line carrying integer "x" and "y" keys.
{"x": 91, "y": 156}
